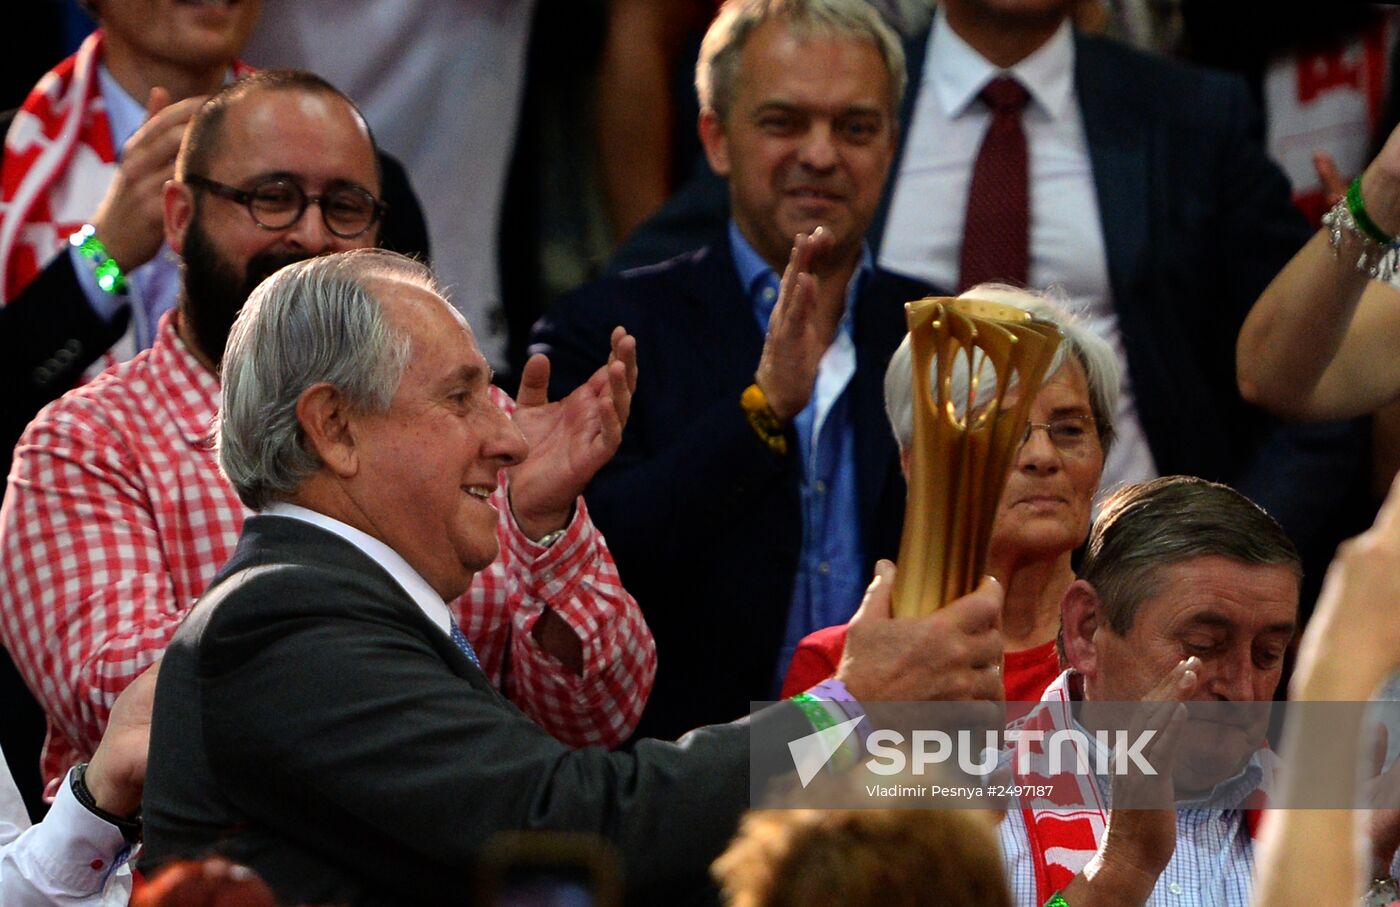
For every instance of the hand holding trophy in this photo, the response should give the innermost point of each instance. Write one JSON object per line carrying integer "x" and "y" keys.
{"x": 969, "y": 420}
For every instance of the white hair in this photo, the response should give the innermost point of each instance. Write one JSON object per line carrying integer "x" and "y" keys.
{"x": 312, "y": 322}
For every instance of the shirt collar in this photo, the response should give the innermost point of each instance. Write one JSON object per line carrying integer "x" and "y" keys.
{"x": 125, "y": 114}
{"x": 959, "y": 73}
{"x": 193, "y": 390}
{"x": 410, "y": 580}
{"x": 756, "y": 275}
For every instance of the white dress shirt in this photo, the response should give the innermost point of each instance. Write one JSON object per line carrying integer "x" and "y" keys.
{"x": 70, "y": 858}
{"x": 924, "y": 234}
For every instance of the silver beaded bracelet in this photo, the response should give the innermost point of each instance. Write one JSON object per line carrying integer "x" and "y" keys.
{"x": 1378, "y": 260}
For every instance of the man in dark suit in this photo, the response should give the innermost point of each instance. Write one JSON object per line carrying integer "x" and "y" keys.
{"x": 1153, "y": 205}
{"x": 767, "y": 453}
{"x": 321, "y": 718}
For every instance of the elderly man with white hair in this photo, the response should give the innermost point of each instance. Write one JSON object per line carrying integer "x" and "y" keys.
{"x": 320, "y": 718}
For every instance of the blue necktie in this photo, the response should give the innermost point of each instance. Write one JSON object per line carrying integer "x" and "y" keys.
{"x": 460, "y": 639}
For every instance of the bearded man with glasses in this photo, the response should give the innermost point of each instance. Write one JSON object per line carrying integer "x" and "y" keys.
{"x": 117, "y": 516}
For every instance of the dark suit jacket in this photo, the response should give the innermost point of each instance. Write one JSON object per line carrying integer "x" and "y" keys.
{"x": 311, "y": 722}
{"x": 1196, "y": 221}
{"x": 703, "y": 519}
{"x": 49, "y": 335}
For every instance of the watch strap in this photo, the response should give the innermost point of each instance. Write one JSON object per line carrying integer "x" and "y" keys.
{"x": 130, "y": 828}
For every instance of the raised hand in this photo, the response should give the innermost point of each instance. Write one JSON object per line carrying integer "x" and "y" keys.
{"x": 570, "y": 439}
{"x": 802, "y": 326}
{"x": 130, "y": 220}
{"x": 1139, "y": 842}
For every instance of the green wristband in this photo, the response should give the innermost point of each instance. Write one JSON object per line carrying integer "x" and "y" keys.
{"x": 820, "y": 717}
{"x": 816, "y": 713}
{"x": 1057, "y": 900}
{"x": 1357, "y": 207}
{"x": 108, "y": 273}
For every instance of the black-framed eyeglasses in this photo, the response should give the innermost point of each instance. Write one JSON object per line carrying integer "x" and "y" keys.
{"x": 279, "y": 202}
{"x": 1071, "y": 435}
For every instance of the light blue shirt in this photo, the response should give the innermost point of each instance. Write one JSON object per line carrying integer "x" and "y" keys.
{"x": 830, "y": 577}
{"x": 153, "y": 287}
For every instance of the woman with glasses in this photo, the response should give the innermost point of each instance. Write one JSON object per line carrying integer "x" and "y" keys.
{"x": 1045, "y": 508}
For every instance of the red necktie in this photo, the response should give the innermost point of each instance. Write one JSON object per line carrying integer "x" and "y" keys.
{"x": 996, "y": 232}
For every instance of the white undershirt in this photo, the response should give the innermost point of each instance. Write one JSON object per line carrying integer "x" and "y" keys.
{"x": 1067, "y": 252}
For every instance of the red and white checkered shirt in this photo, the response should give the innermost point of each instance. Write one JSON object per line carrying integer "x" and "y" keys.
{"x": 117, "y": 517}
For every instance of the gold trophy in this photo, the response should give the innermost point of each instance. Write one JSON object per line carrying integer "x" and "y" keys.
{"x": 964, "y": 440}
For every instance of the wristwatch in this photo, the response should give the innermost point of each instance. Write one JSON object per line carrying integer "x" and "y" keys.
{"x": 130, "y": 828}
{"x": 1382, "y": 892}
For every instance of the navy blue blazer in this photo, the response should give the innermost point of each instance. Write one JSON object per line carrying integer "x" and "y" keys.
{"x": 703, "y": 519}
{"x": 1196, "y": 221}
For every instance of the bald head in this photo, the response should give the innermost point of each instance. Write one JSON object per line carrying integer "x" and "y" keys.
{"x": 204, "y": 138}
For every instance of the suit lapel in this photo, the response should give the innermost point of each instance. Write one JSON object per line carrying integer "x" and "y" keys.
{"x": 879, "y": 328}
{"x": 720, "y": 318}
{"x": 1121, "y": 147}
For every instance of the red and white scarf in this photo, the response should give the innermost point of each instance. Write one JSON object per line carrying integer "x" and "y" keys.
{"x": 1064, "y": 828}
{"x": 58, "y": 163}
{"x": 59, "y": 159}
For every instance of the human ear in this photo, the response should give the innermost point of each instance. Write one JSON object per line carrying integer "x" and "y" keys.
{"x": 1079, "y": 619}
{"x": 177, "y": 201}
{"x": 715, "y": 140}
{"x": 327, "y": 425}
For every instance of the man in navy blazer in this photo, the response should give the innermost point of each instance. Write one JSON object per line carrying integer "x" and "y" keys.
{"x": 1193, "y": 221}
{"x": 756, "y": 483}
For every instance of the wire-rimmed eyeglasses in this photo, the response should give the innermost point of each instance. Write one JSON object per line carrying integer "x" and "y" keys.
{"x": 1070, "y": 435}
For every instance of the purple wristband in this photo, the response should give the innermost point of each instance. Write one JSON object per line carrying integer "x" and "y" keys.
{"x": 833, "y": 690}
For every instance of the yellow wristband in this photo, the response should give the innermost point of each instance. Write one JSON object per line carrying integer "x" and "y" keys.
{"x": 762, "y": 419}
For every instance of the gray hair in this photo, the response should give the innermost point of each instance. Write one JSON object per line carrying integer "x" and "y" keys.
{"x": 1151, "y": 525}
{"x": 1095, "y": 355}
{"x": 312, "y": 322}
{"x": 716, "y": 71}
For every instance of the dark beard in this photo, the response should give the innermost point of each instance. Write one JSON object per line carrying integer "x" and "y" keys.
{"x": 214, "y": 290}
